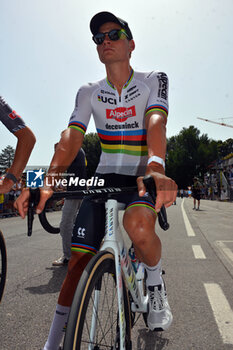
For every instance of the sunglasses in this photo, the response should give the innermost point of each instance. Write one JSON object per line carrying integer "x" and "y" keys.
{"x": 114, "y": 35}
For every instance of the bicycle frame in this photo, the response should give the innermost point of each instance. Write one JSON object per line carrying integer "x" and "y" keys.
{"x": 114, "y": 242}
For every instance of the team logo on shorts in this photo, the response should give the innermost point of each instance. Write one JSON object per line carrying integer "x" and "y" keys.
{"x": 81, "y": 232}
{"x": 35, "y": 178}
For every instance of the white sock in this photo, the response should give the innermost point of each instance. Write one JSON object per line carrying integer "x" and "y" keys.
{"x": 57, "y": 328}
{"x": 153, "y": 274}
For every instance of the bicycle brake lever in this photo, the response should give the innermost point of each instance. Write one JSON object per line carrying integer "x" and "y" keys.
{"x": 33, "y": 201}
{"x": 162, "y": 216}
{"x": 151, "y": 189}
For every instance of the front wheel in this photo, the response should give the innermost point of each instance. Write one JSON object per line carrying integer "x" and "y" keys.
{"x": 94, "y": 316}
{"x": 3, "y": 262}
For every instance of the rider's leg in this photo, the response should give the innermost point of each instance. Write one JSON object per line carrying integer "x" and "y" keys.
{"x": 139, "y": 223}
{"x": 76, "y": 266}
{"x": 87, "y": 235}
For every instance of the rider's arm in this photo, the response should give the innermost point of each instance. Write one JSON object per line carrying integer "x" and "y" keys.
{"x": 66, "y": 151}
{"x": 156, "y": 143}
{"x": 155, "y": 123}
{"x": 156, "y": 119}
{"x": 72, "y": 138}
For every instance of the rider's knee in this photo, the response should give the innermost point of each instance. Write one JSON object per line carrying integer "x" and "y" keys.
{"x": 139, "y": 225}
{"x": 77, "y": 263}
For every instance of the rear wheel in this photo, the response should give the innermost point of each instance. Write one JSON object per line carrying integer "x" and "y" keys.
{"x": 93, "y": 322}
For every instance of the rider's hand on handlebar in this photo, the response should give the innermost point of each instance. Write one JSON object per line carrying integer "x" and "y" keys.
{"x": 21, "y": 203}
{"x": 166, "y": 188}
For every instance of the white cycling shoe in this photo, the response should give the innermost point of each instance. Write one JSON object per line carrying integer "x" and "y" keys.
{"x": 159, "y": 316}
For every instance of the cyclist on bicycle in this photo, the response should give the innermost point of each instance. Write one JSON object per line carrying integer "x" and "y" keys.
{"x": 130, "y": 111}
{"x": 25, "y": 144}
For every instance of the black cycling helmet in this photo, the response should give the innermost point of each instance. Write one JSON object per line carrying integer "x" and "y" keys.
{"x": 104, "y": 17}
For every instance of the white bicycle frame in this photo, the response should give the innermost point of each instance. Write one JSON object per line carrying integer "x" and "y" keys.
{"x": 114, "y": 242}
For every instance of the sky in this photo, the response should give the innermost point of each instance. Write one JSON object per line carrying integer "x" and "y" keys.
{"x": 47, "y": 53}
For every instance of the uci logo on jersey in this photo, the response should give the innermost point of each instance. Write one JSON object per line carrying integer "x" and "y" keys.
{"x": 35, "y": 178}
{"x": 110, "y": 100}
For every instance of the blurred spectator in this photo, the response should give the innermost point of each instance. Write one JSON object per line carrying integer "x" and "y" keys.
{"x": 196, "y": 193}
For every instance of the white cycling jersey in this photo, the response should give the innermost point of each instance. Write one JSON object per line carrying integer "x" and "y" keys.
{"x": 120, "y": 119}
{"x": 10, "y": 118}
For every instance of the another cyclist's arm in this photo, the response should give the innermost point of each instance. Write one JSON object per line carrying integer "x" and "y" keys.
{"x": 26, "y": 140}
{"x": 25, "y": 144}
{"x": 66, "y": 150}
{"x": 156, "y": 143}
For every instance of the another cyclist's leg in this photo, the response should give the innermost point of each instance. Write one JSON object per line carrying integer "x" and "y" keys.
{"x": 69, "y": 214}
{"x": 90, "y": 216}
{"x": 139, "y": 222}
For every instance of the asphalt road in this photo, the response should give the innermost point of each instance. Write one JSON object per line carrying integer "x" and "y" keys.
{"x": 197, "y": 258}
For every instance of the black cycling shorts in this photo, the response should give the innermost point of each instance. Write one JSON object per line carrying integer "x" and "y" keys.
{"x": 89, "y": 226}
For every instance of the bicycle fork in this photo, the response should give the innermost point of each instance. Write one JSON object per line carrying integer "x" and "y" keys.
{"x": 111, "y": 242}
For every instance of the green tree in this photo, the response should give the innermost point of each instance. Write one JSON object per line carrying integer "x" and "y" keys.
{"x": 189, "y": 154}
{"x": 6, "y": 158}
{"x": 225, "y": 147}
{"x": 92, "y": 148}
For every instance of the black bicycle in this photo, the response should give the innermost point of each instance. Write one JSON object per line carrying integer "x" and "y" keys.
{"x": 3, "y": 264}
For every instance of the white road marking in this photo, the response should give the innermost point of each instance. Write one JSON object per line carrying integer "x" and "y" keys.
{"x": 198, "y": 252}
{"x": 222, "y": 311}
{"x": 227, "y": 251}
{"x": 188, "y": 226}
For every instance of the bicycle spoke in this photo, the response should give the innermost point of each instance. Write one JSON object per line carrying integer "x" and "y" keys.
{"x": 94, "y": 318}
{"x": 106, "y": 325}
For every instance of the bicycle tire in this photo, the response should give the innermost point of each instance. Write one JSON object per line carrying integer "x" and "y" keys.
{"x": 99, "y": 275}
{"x": 3, "y": 265}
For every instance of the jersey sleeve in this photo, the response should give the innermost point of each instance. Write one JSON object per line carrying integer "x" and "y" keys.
{"x": 10, "y": 118}
{"x": 83, "y": 108}
{"x": 158, "y": 98}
